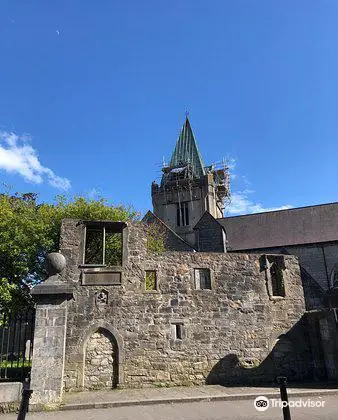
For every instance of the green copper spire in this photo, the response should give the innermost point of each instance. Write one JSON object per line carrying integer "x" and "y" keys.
{"x": 186, "y": 152}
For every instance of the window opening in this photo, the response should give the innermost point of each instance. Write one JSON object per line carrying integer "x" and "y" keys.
{"x": 202, "y": 278}
{"x": 103, "y": 246}
{"x": 151, "y": 280}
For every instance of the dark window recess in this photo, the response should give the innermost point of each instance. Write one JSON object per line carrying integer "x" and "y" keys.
{"x": 182, "y": 214}
{"x": 151, "y": 280}
{"x": 103, "y": 246}
{"x": 178, "y": 331}
{"x": 202, "y": 278}
{"x": 277, "y": 280}
{"x": 274, "y": 267}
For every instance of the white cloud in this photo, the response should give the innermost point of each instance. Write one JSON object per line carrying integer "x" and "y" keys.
{"x": 241, "y": 204}
{"x": 18, "y": 156}
{"x": 240, "y": 201}
{"x": 94, "y": 193}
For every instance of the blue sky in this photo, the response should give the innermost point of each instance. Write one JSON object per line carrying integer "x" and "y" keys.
{"x": 93, "y": 94}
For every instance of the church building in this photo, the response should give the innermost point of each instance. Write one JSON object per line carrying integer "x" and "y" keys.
{"x": 191, "y": 198}
{"x": 188, "y": 296}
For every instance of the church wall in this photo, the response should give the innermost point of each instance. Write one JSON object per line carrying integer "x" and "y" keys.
{"x": 172, "y": 242}
{"x": 233, "y": 333}
{"x": 331, "y": 256}
{"x": 168, "y": 213}
{"x": 210, "y": 237}
{"x": 318, "y": 261}
{"x": 210, "y": 240}
{"x": 312, "y": 259}
{"x": 200, "y": 198}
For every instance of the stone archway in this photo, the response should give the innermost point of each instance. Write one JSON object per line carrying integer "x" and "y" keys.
{"x": 101, "y": 360}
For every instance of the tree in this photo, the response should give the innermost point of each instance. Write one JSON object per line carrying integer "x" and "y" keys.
{"x": 29, "y": 231}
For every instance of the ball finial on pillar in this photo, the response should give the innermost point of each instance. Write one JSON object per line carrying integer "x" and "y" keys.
{"x": 55, "y": 263}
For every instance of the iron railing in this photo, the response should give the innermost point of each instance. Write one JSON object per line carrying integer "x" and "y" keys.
{"x": 16, "y": 345}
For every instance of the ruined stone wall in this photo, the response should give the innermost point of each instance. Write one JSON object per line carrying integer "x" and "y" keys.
{"x": 227, "y": 334}
{"x": 317, "y": 262}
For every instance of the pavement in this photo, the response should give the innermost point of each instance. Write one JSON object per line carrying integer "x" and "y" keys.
{"x": 216, "y": 410}
{"x": 207, "y": 393}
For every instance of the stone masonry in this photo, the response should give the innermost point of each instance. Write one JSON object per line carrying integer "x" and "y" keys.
{"x": 236, "y": 331}
{"x": 100, "y": 361}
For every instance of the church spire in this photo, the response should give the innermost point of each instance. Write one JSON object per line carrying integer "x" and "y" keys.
{"x": 186, "y": 152}
{"x": 188, "y": 189}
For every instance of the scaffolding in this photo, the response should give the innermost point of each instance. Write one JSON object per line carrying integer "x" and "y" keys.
{"x": 180, "y": 179}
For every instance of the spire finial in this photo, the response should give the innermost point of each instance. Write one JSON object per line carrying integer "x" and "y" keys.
{"x": 186, "y": 113}
{"x": 186, "y": 151}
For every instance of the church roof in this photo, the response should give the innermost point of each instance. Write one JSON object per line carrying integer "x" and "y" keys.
{"x": 186, "y": 152}
{"x": 303, "y": 225}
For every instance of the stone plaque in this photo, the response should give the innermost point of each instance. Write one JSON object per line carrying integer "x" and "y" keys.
{"x": 101, "y": 278}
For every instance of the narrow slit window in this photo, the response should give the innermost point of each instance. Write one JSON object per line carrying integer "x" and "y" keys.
{"x": 179, "y": 335}
{"x": 177, "y": 331}
{"x": 277, "y": 280}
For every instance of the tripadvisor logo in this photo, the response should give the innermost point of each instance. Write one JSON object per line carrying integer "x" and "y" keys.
{"x": 261, "y": 403}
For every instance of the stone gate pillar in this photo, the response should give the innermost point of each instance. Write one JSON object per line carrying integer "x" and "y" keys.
{"x": 50, "y": 334}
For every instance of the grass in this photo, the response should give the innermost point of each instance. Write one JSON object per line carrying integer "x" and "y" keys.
{"x": 9, "y": 364}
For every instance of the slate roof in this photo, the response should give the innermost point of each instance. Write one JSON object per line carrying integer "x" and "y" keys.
{"x": 304, "y": 225}
{"x": 186, "y": 152}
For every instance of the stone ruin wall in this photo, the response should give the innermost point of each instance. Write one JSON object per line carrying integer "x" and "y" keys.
{"x": 230, "y": 333}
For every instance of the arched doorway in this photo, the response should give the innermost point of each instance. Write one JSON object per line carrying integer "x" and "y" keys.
{"x": 101, "y": 361}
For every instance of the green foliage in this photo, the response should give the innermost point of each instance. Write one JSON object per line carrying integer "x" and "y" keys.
{"x": 113, "y": 249}
{"x": 150, "y": 280}
{"x": 28, "y": 231}
{"x": 6, "y": 291}
{"x": 14, "y": 297}
{"x": 15, "y": 364}
{"x": 94, "y": 247}
{"x": 156, "y": 236}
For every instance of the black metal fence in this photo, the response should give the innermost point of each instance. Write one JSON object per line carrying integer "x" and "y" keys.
{"x": 16, "y": 345}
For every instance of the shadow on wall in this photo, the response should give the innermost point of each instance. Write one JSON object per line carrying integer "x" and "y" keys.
{"x": 290, "y": 357}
